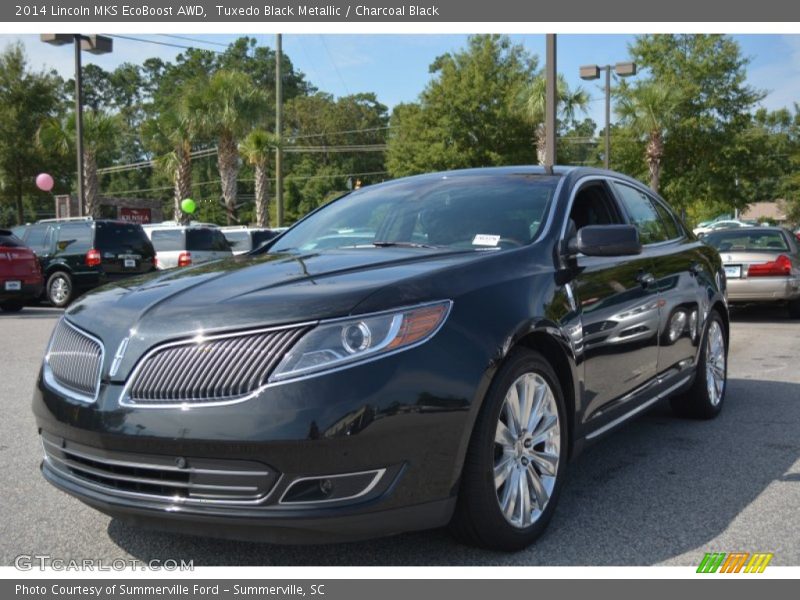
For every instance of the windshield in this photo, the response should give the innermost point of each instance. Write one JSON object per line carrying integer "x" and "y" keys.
{"x": 747, "y": 241}
{"x": 460, "y": 212}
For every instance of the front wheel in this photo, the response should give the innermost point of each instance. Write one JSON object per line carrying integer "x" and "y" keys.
{"x": 59, "y": 289}
{"x": 704, "y": 399}
{"x": 516, "y": 458}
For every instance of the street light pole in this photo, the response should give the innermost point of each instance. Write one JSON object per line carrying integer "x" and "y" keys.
{"x": 607, "y": 154}
{"x": 96, "y": 44}
{"x": 79, "y": 122}
{"x": 278, "y": 131}
{"x": 551, "y": 101}
{"x": 589, "y": 72}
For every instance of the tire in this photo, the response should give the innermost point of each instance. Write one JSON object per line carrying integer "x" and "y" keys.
{"x": 479, "y": 519}
{"x": 794, "y": 309}
{"x": 59, "y": 289}
{"x": 704, "y": 399}
{"x": 12, "y": 306}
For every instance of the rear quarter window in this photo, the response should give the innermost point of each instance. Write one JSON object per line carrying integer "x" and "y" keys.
{"x": 75, "y": 238}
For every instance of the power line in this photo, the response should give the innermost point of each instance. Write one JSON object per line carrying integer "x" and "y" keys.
{"x": 191, "y": 39}
{"x": 216, "y": 181}
{"x": 144, "y": 41}
{"x": 333, "y": 62}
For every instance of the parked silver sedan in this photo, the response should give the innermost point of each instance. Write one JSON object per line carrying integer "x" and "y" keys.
{"x": 762, "y": 264}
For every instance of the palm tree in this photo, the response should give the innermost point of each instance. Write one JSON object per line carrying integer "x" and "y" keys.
{"x": 648, "y": 108}
{"x": 101, "y": 134}
{"x": 174, "y": 129}
{"x": 227, "y": 104}
{"x": 257, "y": 150}
{"x": 533, "y": 105}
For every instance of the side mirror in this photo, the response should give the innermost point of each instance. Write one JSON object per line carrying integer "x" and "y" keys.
{"x": 608, "y": 240}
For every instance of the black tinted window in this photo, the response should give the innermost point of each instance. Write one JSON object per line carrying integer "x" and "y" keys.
{"x": 259, "y": 237}
{"x": 74, "y": 238}
{"x": 122, "y": 237}
{"x": 168, "y": 240}
{"x": 642, "y": 214}
{"x": 206, "y": 240}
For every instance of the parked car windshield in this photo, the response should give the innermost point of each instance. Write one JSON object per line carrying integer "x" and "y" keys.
{"x": 747, "y": 241}
{"x": 460, "y": 212}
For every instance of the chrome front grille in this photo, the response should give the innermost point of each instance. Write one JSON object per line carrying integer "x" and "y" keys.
{"x": 166, "y": 478}
{"x": 74, "y": 360}
{"x": 209, "y": 370}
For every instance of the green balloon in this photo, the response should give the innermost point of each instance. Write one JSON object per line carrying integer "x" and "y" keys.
{"x": 188, "y": 205}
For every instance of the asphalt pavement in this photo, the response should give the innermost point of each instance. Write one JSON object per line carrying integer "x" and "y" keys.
{"x": 660, "y": 490}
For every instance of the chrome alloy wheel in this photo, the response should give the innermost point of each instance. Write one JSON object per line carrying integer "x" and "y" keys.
{"x": 715, "y": 363}
{"x": 59, "y": 291}
{"x": 527, "y": 447}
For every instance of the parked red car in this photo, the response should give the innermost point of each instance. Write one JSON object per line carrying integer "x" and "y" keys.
{"x": 20, "y": 275}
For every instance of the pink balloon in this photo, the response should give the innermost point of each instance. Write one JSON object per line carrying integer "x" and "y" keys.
{"x": 44, "y": 181}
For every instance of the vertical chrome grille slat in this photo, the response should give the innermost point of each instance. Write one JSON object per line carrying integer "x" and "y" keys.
{"x": 217, "y": 368}
{"x": 74, "y": 359}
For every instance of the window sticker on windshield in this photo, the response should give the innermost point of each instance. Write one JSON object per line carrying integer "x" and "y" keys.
{"x": 484, "y": 239}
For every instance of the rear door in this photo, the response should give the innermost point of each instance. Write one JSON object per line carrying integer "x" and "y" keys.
{"x": 679, "y": 268}
{"x": 124, "y": 248}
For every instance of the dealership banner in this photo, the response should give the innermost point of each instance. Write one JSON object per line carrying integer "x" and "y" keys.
{"x": 388, "y": 589}
{"x": 399, "y": 11}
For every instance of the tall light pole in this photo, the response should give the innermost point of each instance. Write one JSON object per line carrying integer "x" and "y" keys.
{"x": 550, "y": 101}
{"x": 278, "y": 131}
{"x": 96, "y": 44}
{"x": 622, "y": 69}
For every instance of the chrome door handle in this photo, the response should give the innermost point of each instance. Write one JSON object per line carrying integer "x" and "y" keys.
{"x": 646, "y": 279}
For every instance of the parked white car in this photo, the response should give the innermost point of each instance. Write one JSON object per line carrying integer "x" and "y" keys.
{"x": 184, "y": 245}
{"x": 718, "y": 225}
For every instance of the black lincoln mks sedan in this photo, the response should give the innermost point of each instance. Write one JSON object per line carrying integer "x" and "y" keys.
{"x": 428, "y": 351}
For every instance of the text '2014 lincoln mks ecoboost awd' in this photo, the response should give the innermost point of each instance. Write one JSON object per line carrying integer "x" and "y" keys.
{"x": 428, "y": 351}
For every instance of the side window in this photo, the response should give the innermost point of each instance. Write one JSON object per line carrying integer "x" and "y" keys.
{"x": 642, "y": 214}
{"x": 594, "y": 205}
{"x": 74, "y": 238}
{"x": 667, "y": 219}
{"x": 219, "y": 242}
{"x": 37, "y": 239}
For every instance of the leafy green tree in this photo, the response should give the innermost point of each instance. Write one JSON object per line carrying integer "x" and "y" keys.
{"x": 257, "y": 149}
{"x": 701, "y": 157}
{"x": 27, "y": 99}
{"x": 101, "y": 134}
{"x": 228, "y": 105}
{"x": 468, "y": 115}
{"x": 648, "y": 108}
{"x": 533, "y": 105}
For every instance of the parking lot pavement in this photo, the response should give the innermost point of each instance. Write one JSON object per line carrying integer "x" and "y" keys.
{"x": 659, "y": 491}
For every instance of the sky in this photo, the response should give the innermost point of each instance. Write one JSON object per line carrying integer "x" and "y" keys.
{"x": 396, "y": 66}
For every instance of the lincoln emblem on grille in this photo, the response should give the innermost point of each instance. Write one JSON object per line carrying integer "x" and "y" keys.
{"x": 118, "y": 356}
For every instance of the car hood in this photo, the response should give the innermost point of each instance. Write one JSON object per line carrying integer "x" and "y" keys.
{"x": 248, "y": 291}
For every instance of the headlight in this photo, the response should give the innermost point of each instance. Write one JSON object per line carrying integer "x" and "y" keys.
{"x": 346, "y": 341}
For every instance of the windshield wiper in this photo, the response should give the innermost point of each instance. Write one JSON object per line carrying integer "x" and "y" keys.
{"x": 403, "y": 245}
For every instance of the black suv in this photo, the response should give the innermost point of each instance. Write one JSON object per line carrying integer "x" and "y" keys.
{"x": 77, "y": 255}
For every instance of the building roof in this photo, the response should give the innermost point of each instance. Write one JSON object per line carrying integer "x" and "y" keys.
{"x": 774, "y": 211}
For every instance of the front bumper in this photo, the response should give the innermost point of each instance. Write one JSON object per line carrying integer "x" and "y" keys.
{"x": 763, "y": 289}
{"x": 392, "y": 414}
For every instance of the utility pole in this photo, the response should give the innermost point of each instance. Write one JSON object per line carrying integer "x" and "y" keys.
{"x": 79, "y": 122}
{"x": 278, "y": 131}
{"x": 551, "y": 101}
